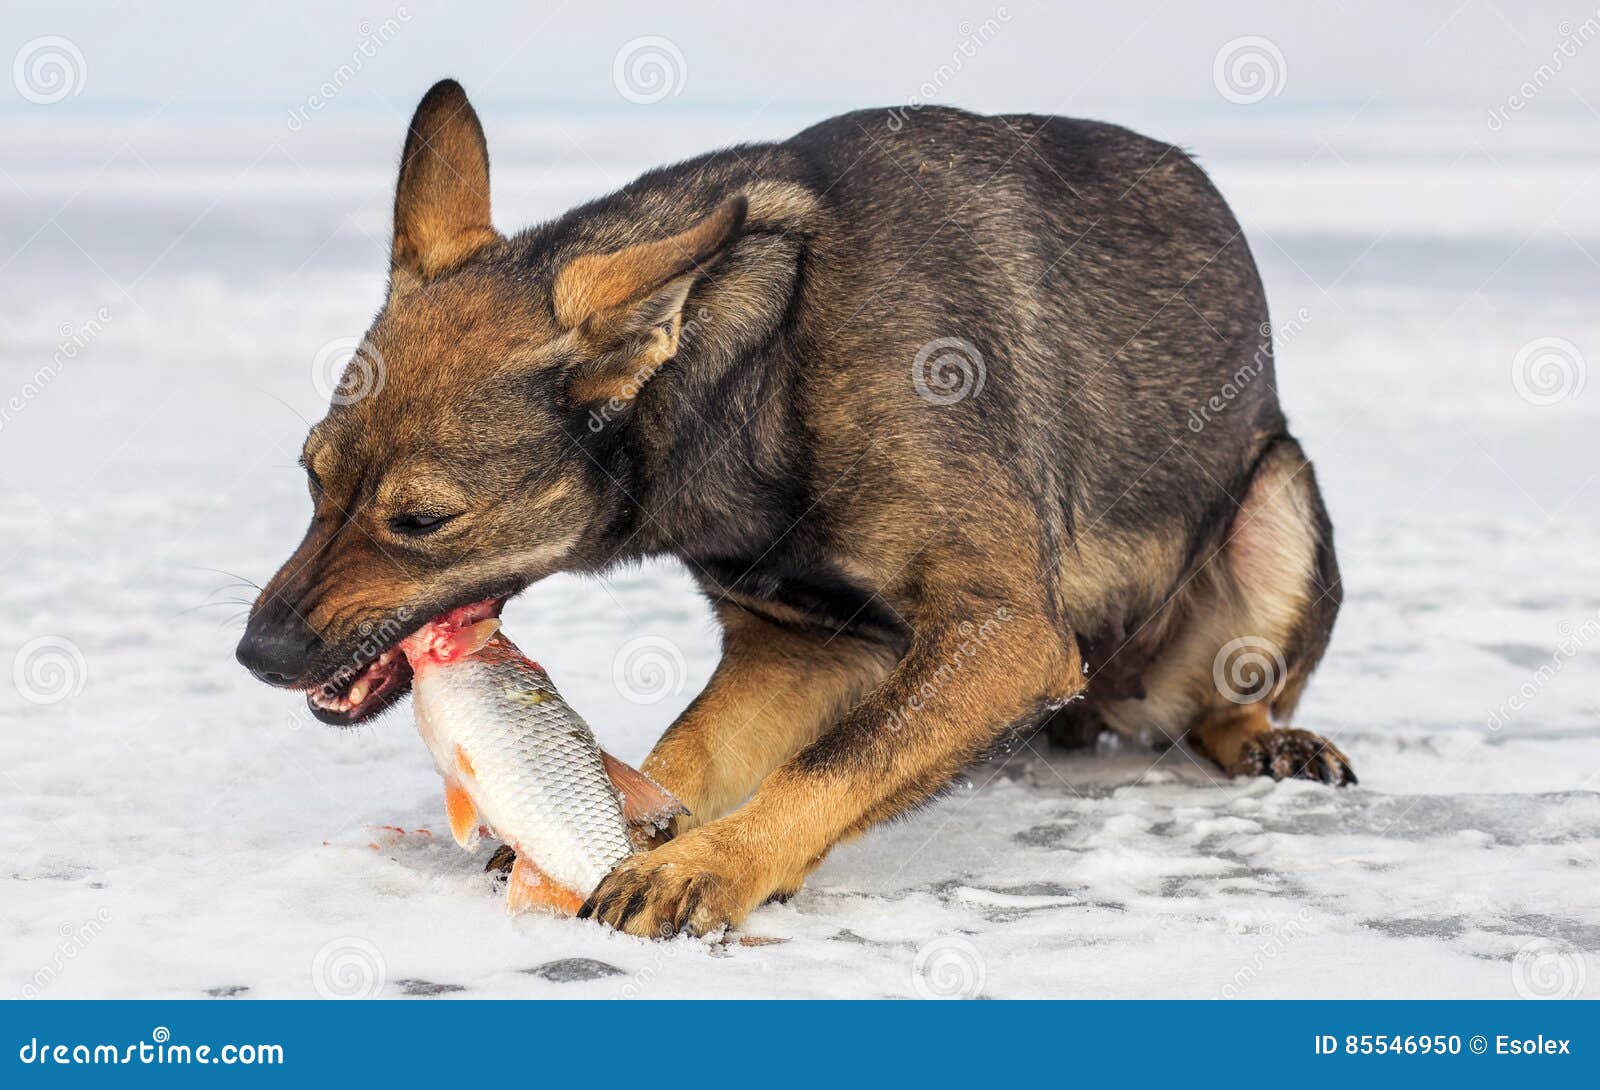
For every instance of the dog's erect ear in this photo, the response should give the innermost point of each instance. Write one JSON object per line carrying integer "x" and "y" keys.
{"x": 634, "y": 299}
{"x": 441, "y": 203}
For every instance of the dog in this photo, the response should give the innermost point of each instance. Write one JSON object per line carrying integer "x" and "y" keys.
{"x": 912, "y": 395}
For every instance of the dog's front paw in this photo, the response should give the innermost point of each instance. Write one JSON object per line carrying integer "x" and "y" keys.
{"x": 684, "y": 885}
{"x": 1294, "y": 754}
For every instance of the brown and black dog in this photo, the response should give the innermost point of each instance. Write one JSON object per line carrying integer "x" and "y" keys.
{"x": 913, "y": 395}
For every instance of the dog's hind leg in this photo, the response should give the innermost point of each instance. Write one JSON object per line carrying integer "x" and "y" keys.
{"x": 1254, "y": 620}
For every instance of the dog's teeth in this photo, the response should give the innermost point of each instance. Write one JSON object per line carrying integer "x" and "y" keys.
{"x": 358, "y": 693}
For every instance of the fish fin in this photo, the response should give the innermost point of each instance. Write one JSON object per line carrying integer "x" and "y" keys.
{"x": 644, "y": 802}
{"x": 471, "y": 639}
{"x": 530, "y": 888}
{"x": 463, "y": 815}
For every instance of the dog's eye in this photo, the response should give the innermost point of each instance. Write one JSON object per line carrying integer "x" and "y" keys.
{"x": 416, "y": 524}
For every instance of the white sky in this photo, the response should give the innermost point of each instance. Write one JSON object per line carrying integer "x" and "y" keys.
{"x": 1065, "y": 58}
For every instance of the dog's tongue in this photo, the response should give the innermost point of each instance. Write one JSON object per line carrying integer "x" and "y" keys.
{"x": 453, "y": 636}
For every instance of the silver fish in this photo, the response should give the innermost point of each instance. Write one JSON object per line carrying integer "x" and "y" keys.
{"x": 516, "y": 758}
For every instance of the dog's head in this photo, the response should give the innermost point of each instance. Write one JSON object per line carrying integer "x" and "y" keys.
{"x": 457, "y": 463}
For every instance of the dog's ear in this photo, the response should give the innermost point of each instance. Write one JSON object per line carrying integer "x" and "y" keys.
{"x": 605, "y": 286}
{"x": 441, "y": 202}
{"x": 631, "y": 301}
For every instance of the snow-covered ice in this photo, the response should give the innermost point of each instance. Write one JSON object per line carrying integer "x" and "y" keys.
{"x": 171, "y": 828}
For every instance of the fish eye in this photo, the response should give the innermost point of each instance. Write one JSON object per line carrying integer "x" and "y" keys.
{"x": 418, "y": 523}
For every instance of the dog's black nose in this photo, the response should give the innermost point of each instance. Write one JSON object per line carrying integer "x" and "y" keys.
{"x": 278, "y": 653}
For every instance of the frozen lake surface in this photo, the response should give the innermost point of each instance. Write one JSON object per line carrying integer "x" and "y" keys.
{"x": 171, "y": 828}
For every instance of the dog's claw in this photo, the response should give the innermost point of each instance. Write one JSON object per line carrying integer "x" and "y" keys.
{"x": 1295, "y": 754}
{"x": 676, "y": 888}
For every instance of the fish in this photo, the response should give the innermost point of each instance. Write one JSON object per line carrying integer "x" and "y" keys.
{"x": 521, "y": 764}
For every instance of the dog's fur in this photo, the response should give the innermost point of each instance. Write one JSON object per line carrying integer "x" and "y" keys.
{"x": 717, "y": 362}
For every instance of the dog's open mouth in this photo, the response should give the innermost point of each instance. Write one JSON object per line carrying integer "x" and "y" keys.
{"x": 381, "y": 676}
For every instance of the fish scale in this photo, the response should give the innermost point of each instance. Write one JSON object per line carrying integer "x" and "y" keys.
{"x": 536, "y": 767}
{"x": 517, "y": 758}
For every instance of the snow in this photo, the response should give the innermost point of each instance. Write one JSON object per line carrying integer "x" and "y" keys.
{"x": 171, "y": 828}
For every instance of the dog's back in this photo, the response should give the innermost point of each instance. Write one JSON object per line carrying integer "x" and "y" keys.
{"x": 1091, "y": 291}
